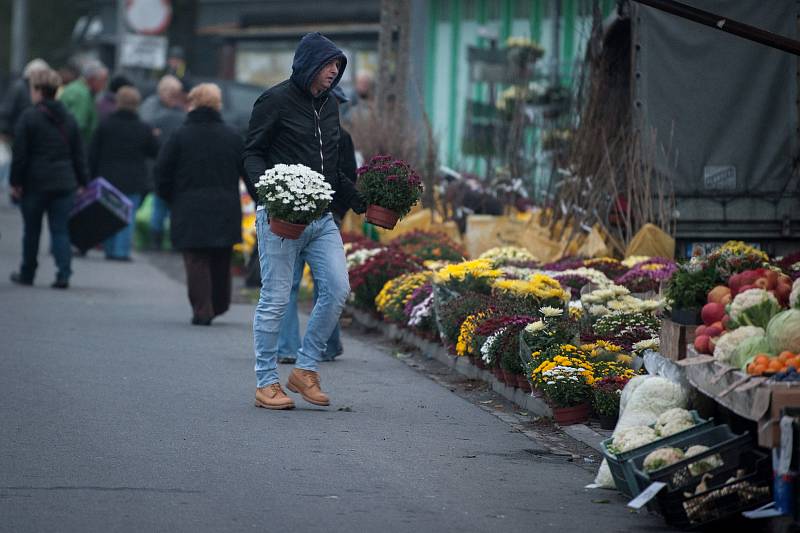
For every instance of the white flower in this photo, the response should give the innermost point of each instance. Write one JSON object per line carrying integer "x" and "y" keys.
{"x": 535, "y": 327}
{"x": 551, "y": 311}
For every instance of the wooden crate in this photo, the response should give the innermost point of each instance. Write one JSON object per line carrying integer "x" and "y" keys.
{"x": 674, "y": 338}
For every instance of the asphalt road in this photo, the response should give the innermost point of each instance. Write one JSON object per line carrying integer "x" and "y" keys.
{"x": 117, "y": 415}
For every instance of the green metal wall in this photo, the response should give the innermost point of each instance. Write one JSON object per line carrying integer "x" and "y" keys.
{"x": 453, "y": 25}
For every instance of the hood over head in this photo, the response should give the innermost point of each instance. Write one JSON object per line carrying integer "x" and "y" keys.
{"x": 314, "y": 52}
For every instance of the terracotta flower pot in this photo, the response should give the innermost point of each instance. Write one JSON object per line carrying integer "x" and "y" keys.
{"x": 523, "y": 383}
{"x": 380, "y": 216}
{"x": 510, "y": 379}
{"x": 566, "y": 416}
{"x": 286, "y": 230}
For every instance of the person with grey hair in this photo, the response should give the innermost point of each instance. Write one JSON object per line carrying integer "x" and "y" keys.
{"x": 164, "y": 112}
{"x": 78, "y": 96}
{"x": 17, "y": 98}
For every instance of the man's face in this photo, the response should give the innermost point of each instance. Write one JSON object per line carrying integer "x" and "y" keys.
{"x": 98, "y": 82}
{"x": 326, "y": 76}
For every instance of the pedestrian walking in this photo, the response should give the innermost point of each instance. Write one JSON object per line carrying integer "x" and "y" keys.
{"x": 289, "y": 336}
{"x": 18, "y": 98}
{"x": 297, "y": 122}
{"x": 198, "y": 173}
{"x": 47, "y": 167}
{"x": 119, "y": 152}
{"x": 106, "y": 102}
{"x": 78, "y": 95}
{"x": 164, "y": 112}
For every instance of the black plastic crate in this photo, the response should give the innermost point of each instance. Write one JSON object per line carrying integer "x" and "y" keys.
{"x": 724, "y": 498}
{"x": 724, "y": 447}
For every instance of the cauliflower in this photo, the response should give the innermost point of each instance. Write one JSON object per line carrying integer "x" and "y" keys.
{"x": 632, "y": 438}
{"x": 794, "y": 296}
{"x": 675, "y": 427}
{"x": 658, "y": 459}
{"x": 754, "y": 307}
{"x": 676, "y": 414}
{"x": 727, "y": 343}
{"x": 707, "y": 464}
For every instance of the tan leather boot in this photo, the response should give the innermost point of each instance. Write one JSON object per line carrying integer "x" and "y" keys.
{"x": 306, "y": 383}
{"x": 273, "y": 397}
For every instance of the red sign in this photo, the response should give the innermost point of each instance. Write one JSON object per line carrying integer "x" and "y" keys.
{"x": 148, "y": 17}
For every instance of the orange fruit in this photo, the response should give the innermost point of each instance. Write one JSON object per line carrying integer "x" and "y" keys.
{"x": 775, "y": 365}
{"x": 761, "y": 359}
{"x": 785, "y": 356}
{"x": 795, "y": 362}
{"x": 757, "y": 370}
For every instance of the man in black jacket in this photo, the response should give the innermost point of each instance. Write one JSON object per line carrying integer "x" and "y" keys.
{"x": 297, "y": 122}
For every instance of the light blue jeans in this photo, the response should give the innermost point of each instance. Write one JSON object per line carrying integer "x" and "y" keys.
{"x": 289, "y": 336}
{"x": 321, "y": 246}
{"x": 119, "y": 244}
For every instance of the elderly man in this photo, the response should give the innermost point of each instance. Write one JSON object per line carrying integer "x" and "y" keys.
{"x": 297, "y": 122}
{"x": 78, "y": 95}
{"x": 165, "y": 114}
{"x": 18, "y": 98}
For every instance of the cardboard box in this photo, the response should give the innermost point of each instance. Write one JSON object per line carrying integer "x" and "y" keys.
{"x": 783, "y": 395}
{"x": 674, "y": 338}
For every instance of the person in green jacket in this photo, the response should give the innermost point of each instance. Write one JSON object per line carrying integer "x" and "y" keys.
{"x": 78, "y": 96}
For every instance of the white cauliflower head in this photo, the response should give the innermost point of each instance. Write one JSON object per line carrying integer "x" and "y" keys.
{"x": 676, "y": 426}
{"x": 726, "y": 345}
{"x": 707, "y": 464}
{"x": 658, "y": 459}
{"x": 749, "y": 298}
{"x": 673, "y": 415}
{"x": 632, "y": 438}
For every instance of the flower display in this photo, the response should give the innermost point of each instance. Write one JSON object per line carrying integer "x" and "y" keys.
{"x": 506, "y": 254}
{"x": 647, "y": 275}
{"x": 428, "y": 245}
{"x": 294, "y": 193}
{"x": 466, "y": 334}
{"x": 476, "y": 275}
{"x": 389, "y": 183}
{"x": 611, "y": 267}
{"x": 616, "y": 299}
{"x": 457, "y": 310}
{"x": 368, "y": 279}
{"x": 606, "y": 394}
{"x": 360, "y": 256}
{"x": 540, "y": 290}
{"x": 394, "y": 295}
{"x": 419, "y": 310}
{"x": 733, "y": 257}
{"x": 567, "y": 383}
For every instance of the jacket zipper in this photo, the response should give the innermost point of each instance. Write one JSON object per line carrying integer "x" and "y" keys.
{"x": 319, "y": 133}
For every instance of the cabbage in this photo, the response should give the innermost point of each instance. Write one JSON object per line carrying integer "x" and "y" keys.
{"x": 748, "y": 349}
{"x": 783, "y": 331}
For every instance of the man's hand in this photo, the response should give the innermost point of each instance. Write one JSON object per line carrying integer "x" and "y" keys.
{"x": 358, "y": 204}
{"x": 16, "y": 192}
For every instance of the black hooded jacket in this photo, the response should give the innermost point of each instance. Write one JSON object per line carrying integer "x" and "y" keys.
{"x": 288, "y": 125}
{"x": 48, "y": 152}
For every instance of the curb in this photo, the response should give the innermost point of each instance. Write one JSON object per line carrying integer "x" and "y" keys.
{"x": 431, "y": 350}
{"x": 536, "y": 406}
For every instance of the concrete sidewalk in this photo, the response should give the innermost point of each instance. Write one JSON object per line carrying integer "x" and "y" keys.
{"x": 118, "y": 415}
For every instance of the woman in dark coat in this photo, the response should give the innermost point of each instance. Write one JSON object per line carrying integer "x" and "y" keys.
{"x": 119, "y": 152}
{"x": 197, "y": 174}
{"x": 47, "y": 167}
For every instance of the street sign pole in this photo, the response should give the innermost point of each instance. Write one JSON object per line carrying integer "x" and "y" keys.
{"x": 120, "y": 36}
{"x": 19, "y": 36}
